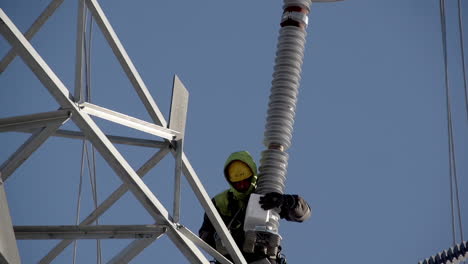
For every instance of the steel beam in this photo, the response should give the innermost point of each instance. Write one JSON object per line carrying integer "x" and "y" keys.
{"x": 158, "y": 118}
{"x": 8, "y": 248}
{"x": 198, "y": 188}
{"x": 137, "y": 246}
{"x": 177, "y": 175}
{"x": 199, "y": 242}
{"x": 208, "y": 206}
{"x": 126, "y": 62}
{"x": 128, "y": 121}
{"x": 177, "y": 121}
{"x": 97, "y": 138}
{"x": 179, "y": 106}
{"x": 88, "y": 232}
{"x": 104, "y": 206}
{"x": 27, "y": 149}
{"x": 131, "y": 141}
{"x": 39, "y": 120}
{"x": 80, "y": 30}
{"x": 33, "y": 29}
{"x": 139, "y": 142}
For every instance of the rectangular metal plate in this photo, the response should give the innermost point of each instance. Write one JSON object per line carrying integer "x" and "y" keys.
{"x": 179, "y": 106}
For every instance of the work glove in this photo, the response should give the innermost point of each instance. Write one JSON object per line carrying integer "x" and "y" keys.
{"x": 277, "y": 200}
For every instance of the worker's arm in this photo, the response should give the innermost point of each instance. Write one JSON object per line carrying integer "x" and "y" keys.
{"x": 292, "y": 207}
{"x": 207, "y": 231}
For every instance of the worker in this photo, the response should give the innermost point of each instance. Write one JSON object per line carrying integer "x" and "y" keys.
{"x": 240, "y": 171}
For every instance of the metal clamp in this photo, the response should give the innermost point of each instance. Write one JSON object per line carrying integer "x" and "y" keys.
{"x": 296, "y": 16}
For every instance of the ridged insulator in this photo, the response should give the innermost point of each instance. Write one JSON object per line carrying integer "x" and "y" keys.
{"x": 282, "y": 105}
{"x": 272, "y": 174}
{"x": 285, "y": 87}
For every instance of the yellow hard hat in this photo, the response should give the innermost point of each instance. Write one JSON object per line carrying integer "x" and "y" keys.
{"x": 238, "y": 171}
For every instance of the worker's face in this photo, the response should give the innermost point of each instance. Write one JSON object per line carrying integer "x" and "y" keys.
{"x": 242, "y": 186}
{"x": 239, "y": 175}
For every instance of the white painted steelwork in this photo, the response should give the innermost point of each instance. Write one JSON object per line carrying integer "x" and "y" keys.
{"x": 79, "y": 51}
{"x": 128, "y": 121}
{"x": 47, "y": 123}
{"x": 158, "y": 118}
{"x": 88, "y": 232}
{"x": 126, "y": 62}
{"x": 8, "y": 248}
{"x": 39, "y": 120}
{"x": 115, "y": 160}
{"x": 33, "y": 29}
{"x": 104, "y": 206}
{"x": 131, "y": 141}
{"x": 102, "y": 143}
{"x": 177, "y": 120}
{"x": 199, "y": 242}
{"x": 26, "y": 150}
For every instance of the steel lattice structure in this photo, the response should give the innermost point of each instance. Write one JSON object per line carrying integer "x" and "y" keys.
{"x": 72, "y": 108}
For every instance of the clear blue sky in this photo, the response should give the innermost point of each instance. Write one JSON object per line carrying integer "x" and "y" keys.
{"x": 370, "y": 142}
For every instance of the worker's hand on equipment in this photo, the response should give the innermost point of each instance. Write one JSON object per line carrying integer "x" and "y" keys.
{"x": 277, "y": 200}
{"x": 271, "y": 200}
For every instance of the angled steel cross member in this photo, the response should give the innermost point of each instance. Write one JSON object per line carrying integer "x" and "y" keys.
{"x": 158, "y": 119}
{"x": 45, "y": 123}
{"x": 8, "y": 248}
{"x": 97, "y": 137}
{"x": 33, "y": 29}
{"x": 106, "y": 204}
{"x": 145, "y": 97}
{"x": 131, "y": 141}
{"x": 88, "y": 232}
{"x": 176, "y": 122}
{"x": 125, "y": 61}
{"x": 39, "y": 120}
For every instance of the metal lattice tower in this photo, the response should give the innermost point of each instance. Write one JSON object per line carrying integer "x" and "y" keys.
{"x": 42, "y": 126}
{"x": 72, "y": 108}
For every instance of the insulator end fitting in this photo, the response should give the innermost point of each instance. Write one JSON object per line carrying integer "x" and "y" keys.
{"x": 305, "y": 4}
{"x": 295, "y": 16}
